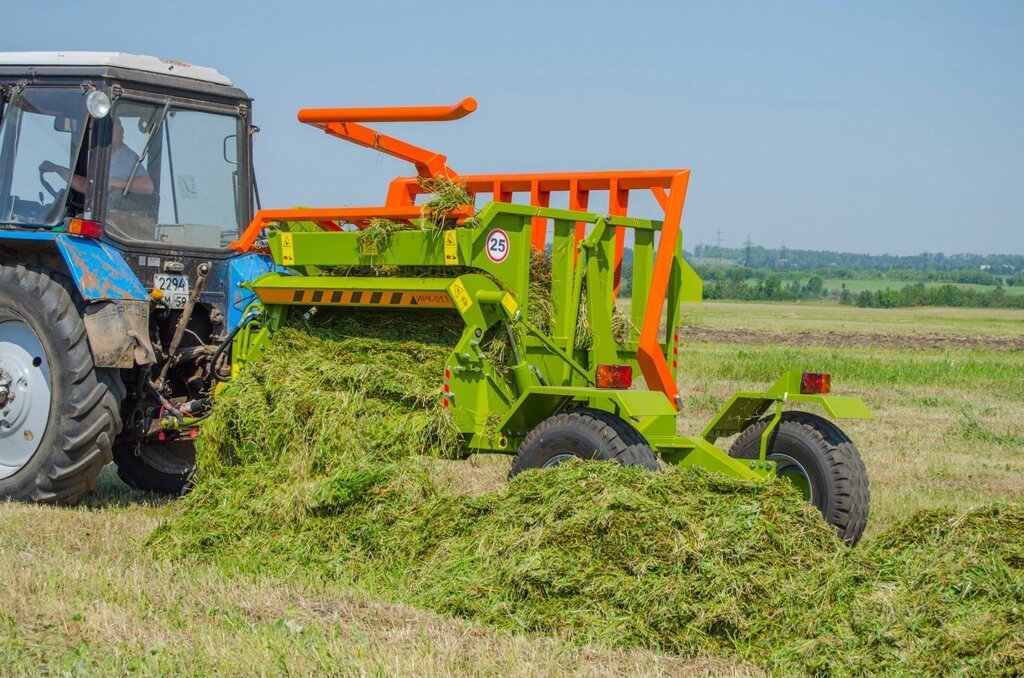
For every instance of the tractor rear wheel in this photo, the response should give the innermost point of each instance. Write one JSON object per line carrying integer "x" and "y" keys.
{"x": 59, "y": 414}
{"x": 584, "y": 434}
{"x": 821, "y": 461}
{"x": 163, "y": 468}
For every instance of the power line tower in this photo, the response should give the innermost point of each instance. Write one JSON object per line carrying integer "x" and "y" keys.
{"x": 783, "y": 261}
{"x": 718, "y": 246}
{"x": 747, "y": 247}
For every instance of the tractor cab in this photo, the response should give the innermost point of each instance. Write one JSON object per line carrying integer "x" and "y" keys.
{"x": 149, "y": 155}
{"x": 123, "y": 179}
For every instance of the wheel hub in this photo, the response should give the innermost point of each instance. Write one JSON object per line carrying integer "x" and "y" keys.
{"x": 6, "y": 382}
{"x": 24, "y": 394}
{"x": 558, "y": 459}
{"x": 789, "y": 468}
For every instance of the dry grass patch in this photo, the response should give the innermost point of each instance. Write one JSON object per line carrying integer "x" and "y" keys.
{"x": 82, "y": 598}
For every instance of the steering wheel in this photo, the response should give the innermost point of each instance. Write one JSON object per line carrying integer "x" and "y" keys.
{"x": 55, "y": 194}
{"x": 58, "y": 198}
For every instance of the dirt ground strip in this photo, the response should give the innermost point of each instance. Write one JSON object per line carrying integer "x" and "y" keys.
{"x": 919, "y": 340}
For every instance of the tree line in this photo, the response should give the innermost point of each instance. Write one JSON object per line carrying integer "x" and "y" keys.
{"x": 757, "y": 256}
{"x": 908, "y": 286}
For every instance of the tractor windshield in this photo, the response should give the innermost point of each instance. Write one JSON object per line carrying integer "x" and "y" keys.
{"x": 174, "y": 175}
{"x": 40, "y": 139}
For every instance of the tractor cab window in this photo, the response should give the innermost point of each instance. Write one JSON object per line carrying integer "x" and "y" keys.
{"x": 173, "y": 176}
{"x": 40, "y": 139}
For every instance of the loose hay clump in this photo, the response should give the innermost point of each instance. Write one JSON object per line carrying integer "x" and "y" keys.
{"x": 313, "y": 463}
{"x": 448, "y": 196}
{"x": 376, "y": 237}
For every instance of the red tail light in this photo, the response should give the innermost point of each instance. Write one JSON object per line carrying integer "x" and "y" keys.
{"x": 614, "y": 376}
{"x": 816, "y": 382}
{"x": 91, "y": 229}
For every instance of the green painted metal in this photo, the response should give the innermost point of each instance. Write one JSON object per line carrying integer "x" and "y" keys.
{"x": 745, "y": 408}
{"x": 767, "y": 434}
{"x": 495, "y": 408}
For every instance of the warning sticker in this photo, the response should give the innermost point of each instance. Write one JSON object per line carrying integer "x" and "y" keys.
{"x": 510, "y": 305}
{"x": 460, "y": 296}
{"x": 497, "y": 245}
{"x": 287, "y": 251}
{"x": 451, "y": 248}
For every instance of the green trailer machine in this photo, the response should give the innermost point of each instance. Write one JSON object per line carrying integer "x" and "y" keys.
{"x": 589, "y": 376}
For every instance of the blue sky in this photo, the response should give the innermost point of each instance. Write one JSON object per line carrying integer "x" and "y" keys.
{"x": 868, "y": 126}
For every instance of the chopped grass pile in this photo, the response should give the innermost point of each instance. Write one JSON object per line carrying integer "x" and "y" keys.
{"x": 316, "y": 460}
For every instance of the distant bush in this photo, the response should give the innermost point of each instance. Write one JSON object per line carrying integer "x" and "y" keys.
{"x": 944, "y": 295}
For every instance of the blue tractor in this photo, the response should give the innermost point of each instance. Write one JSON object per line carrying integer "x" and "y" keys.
{"x": 123, "y": 179}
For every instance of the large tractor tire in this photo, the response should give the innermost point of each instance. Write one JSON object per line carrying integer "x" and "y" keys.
{"x": 59, "y": 414}
{"x": 585, "y": 434}
{"x": 162, "y": 468}
{"x": 821, "y": 461}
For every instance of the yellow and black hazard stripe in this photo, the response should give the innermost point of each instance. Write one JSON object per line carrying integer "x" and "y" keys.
{"x": 354, "y": 297}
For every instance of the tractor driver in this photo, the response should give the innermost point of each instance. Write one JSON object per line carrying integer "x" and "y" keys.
{"x": 122, "y": 161}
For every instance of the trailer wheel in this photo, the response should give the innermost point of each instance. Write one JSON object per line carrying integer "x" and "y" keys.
{"x": 162, "y": 468}
{"x": 821, "y": 461}
{"x": 585, "y": 434}
{"x": 59, "y": 414}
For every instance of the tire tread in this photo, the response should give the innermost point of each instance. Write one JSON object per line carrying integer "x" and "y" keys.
{"x": 89, "y": 419}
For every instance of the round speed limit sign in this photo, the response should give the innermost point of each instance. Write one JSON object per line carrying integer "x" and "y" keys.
{"x": 497, "y": 245}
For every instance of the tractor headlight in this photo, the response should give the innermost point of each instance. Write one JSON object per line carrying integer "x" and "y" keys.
{"x": 97, "y": 103}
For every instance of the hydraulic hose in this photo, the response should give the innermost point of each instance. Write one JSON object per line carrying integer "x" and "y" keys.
{"x": 227, "y": 342}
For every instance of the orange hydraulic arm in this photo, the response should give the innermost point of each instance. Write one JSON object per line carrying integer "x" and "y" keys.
{"x": 344, "y": 123}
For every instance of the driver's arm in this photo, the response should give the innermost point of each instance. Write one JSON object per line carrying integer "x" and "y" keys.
{"x": 141, "y": 184}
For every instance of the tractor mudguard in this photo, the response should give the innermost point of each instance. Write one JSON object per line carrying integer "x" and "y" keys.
{"x": 116, "y": 315}
{"x": 119, "y": 333}
{"x": 745, "y": 408}
{"x": 97, "y": 269}
{"x": 537, "y": 404}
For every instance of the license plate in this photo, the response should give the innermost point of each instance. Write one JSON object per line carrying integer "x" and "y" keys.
{"x": 174, "y": 287}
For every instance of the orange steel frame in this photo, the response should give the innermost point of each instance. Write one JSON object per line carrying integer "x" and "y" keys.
{"x": 667, "y": 186}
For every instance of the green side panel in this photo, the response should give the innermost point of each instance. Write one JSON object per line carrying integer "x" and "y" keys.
{"x": 693, "y": 287}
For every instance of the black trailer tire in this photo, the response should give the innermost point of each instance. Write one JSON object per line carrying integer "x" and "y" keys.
{"x": 162, "y": 468}
{"x": 77, "y": 402}
{"x": 815, "y": 449}
{"x": 586, "y": 434}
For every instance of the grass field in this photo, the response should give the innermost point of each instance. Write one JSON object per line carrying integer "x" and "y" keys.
{"x": 833, "y": 285}
{"x": 83, "y": 597}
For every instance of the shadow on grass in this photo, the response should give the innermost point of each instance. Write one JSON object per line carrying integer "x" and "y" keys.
{"x": 111, "y": 492}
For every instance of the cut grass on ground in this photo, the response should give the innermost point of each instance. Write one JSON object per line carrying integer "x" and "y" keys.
{"x": 83, "y": 597}
{"x": 678, "y": 560}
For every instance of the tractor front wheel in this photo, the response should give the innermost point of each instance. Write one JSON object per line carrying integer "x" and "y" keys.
{"x": 821, "y": 461}
{"x": 59, "y": 413}
{"x": 163, "y": 468}
{"x": 584, "y": 434}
